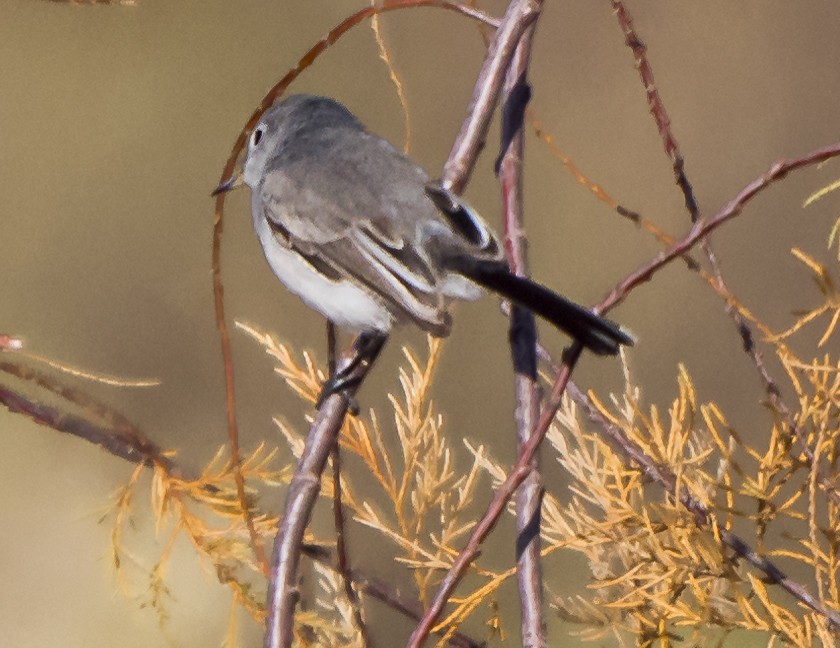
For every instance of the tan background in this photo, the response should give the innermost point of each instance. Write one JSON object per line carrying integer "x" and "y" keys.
{"x": 114, "y": 126}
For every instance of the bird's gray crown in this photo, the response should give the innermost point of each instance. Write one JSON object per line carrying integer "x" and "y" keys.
{"x": 293, "y": 117}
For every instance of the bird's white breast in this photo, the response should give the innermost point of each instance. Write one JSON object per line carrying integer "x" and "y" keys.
{"x": 341, "y": 302}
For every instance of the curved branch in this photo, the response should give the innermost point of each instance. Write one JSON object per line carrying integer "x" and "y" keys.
{"x": 703, "y": 227}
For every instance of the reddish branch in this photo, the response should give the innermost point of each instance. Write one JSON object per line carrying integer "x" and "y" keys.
{"x": 703, "y": 227}
{"x": 740, "y": 547}
{"x": 501, "y": 497}
{"x": 112, "y": 432}
{"x": 118, "y": 442}
{"x": 657, "y": 108}
{"x": 523, "y": 342}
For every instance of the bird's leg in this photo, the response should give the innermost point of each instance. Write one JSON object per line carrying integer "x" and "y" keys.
{"x": 366, "y": 348}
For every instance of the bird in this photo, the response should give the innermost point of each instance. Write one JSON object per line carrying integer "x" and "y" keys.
{"x": 356, "y": 229}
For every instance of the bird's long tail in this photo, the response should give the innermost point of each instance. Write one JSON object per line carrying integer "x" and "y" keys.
{"x": 596, "y": 333}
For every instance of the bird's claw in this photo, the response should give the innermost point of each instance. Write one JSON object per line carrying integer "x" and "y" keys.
{"x": 341, "y": 385}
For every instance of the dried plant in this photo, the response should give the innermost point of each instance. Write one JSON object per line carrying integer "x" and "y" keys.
{"x": 656, "y": 574}
{"x": 691, "y": 529}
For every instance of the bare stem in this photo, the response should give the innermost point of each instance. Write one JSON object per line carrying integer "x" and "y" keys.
{"x": 703, "y": 227}
{"x": 470, "y": 140}
{"x": 523, "y": 342}
{"x": 342, "y": 558}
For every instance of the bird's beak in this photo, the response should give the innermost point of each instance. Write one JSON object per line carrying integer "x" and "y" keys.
{"x": 231, "y": 183}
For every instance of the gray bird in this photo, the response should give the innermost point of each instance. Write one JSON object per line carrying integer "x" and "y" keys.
{"x": 350, "y": 225}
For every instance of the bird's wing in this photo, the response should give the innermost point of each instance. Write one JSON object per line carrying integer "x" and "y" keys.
{"x": 358, "y": 218}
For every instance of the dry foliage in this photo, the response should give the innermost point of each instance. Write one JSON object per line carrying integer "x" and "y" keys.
{"x": 655, "y": 573}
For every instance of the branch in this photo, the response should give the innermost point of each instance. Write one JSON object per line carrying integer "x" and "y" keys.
{"x": 703, "y": 227}
{"x": 304, "y": 489}
{"x": 656, "y": 107}
{"x": 470, "y": 140}
{"x": 342, "y": 559}
{"x": 663, "y": 123}
{"x": 118, "y": 435}
{"x": 660, "y": 115}
{"x": 523, "y": 342}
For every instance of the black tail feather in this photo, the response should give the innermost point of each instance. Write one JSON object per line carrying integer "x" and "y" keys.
{"x": 596, "y": 333}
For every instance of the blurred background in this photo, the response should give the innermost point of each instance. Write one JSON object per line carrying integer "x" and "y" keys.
{"x": 116, "y": 121}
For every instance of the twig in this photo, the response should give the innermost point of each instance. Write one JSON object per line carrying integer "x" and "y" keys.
{"x": 660, "y": 115}
{"x": 300, "y": 500}
{"x": 230, "y": 392}
{"x": 342, "y": 559}
{"x": 120, "y": 437}
{"x": 470, "y": 140}
{"x": 523, "y": 341}
{"x": 703, "y": 227}
{"x": 303, "y": 491}
{"x": 657, "y": 108}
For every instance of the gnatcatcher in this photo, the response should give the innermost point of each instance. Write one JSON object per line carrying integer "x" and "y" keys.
{"x": 350, "y": 225}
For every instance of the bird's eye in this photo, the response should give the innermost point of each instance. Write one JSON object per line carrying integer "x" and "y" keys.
{"x": 256, "y": 136}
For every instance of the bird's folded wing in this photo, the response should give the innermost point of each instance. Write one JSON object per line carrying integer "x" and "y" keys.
{"x": 347, "y": 245}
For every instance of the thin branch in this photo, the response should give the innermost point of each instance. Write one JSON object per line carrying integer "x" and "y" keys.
{"x": 523, "y": 341}
{"x": 303, "y": 491}
{"x": 703, "y": 227}
{"x": 342, "y": 559}
{"x": 657, "y": 108}
{"x": 660, "y": 115}
{"x": 470, "y": 140}
{"x": 230, "y": 400}
{"x": 118, "y": 436}
{"x": 300, "y": 500}
{"x": 715, "y": 280}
